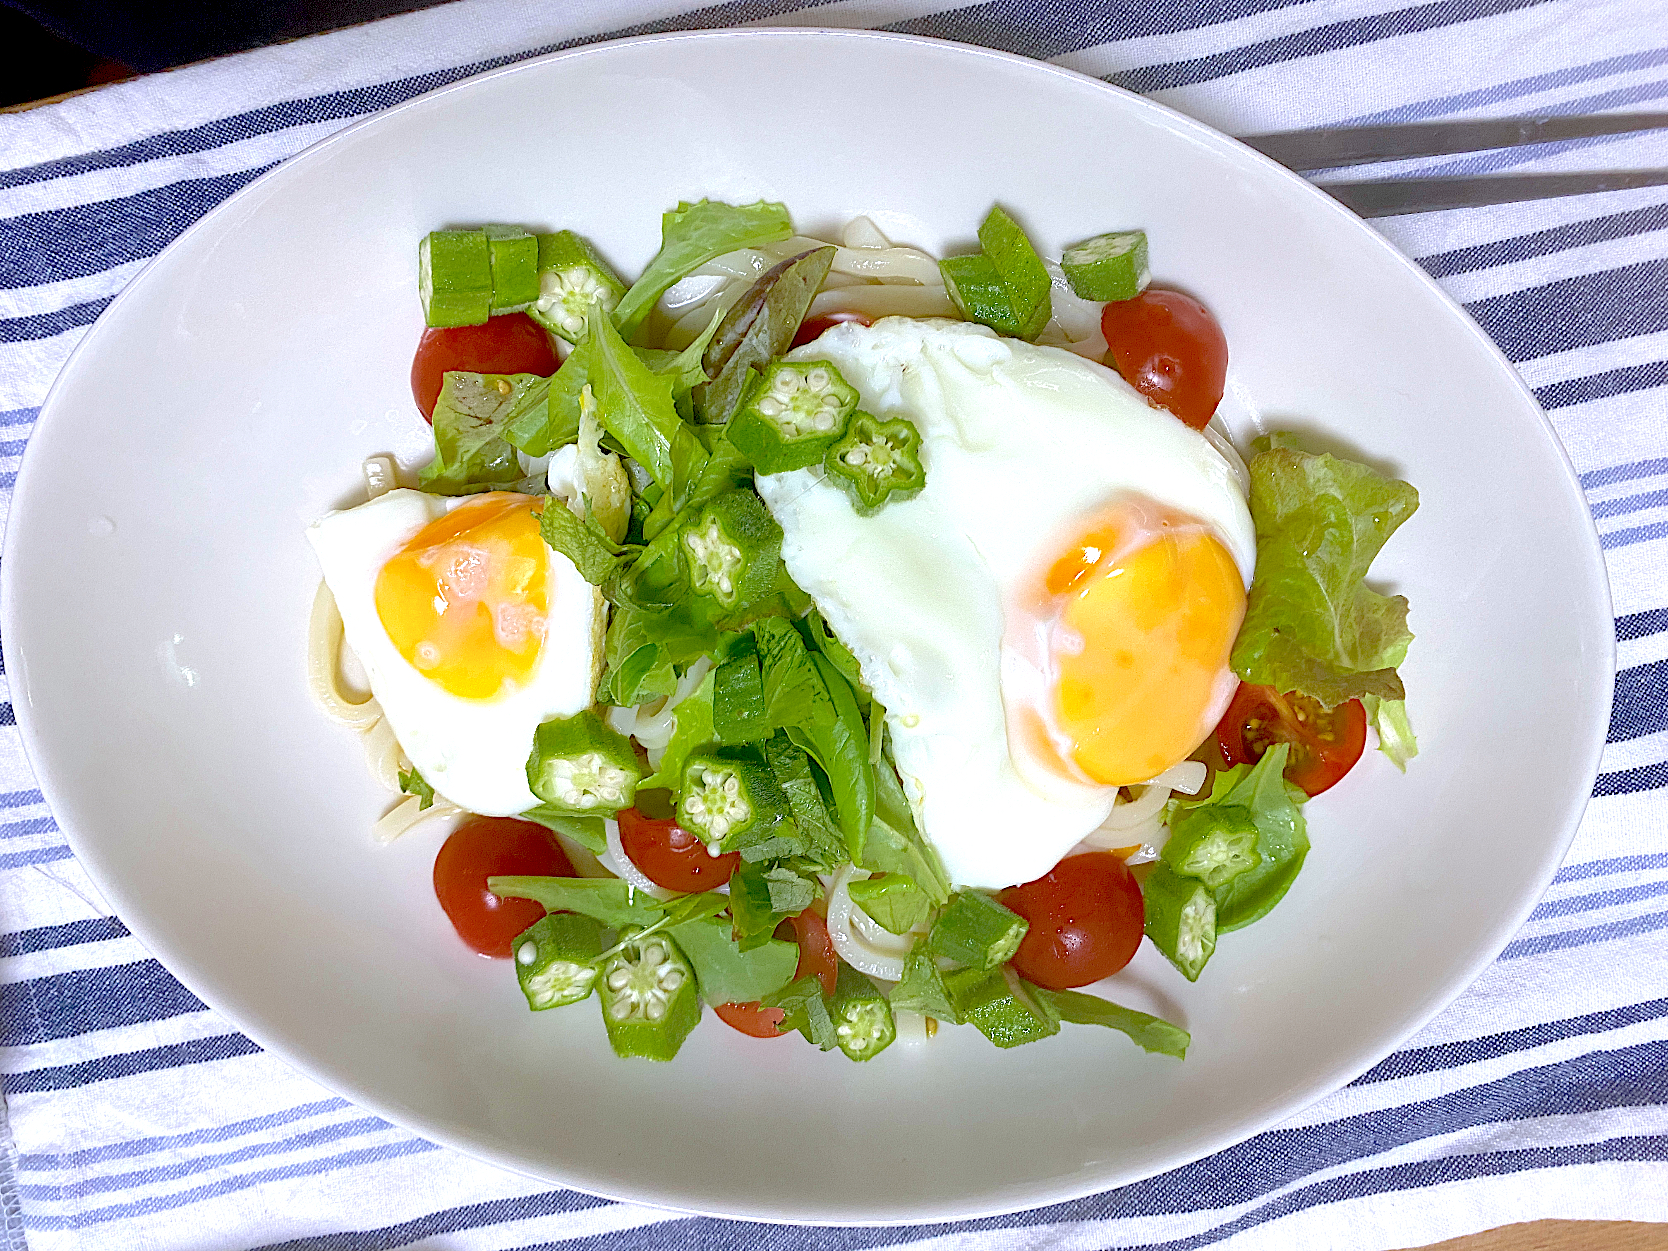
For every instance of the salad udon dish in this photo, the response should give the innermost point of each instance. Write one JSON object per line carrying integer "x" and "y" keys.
{"x": 849, "y": 640}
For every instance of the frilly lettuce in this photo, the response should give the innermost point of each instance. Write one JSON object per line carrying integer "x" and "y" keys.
{"x": 1312, "y": 625}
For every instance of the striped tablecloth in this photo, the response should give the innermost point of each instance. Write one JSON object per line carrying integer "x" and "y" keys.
{"x": 138, "y": 1119}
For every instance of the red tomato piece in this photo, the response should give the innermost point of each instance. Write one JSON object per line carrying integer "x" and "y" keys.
{"x": 484, "y": 847}
{"x": 813, "y": 327}
{"x": 816, "y": 951}
{"x": 1086, "y": 919}
{"x": 1326, "y": 742}
{"x": 752, "y": 1019}
{"x": 511, "y": 343}
{"x": 672, "y": 857}
{"x": 1170, "y": 349}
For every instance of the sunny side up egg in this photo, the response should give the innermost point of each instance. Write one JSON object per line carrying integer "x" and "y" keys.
{"x": 1051, "y": 617}
{"x": 470, "y": 629}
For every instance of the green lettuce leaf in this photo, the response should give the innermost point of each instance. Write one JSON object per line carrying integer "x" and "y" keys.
{"x": 805, "y": 1009}
{"x": 606, "y": 899}
{"x": 692, "y": 730}
{"x": 588, "y": 832}
{"x": 470, "y": 420}
{"x": 892, "y": 900}
{"x": 583, "y": 541}
{"x": 892, "y": 843}
{"x": 1282, "y": 837}
{"x": 1150, "y": 1033}
{"x": 1311, "y": 623}
{"x": 1394, "y": 730}
{"x": 414, "y": 783}
{"x": 690, "y": 236}
{"x": 635, "y": 406}
{"x": 727, "y": 974}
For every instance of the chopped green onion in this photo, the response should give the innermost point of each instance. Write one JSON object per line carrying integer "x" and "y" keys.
{"x": 649, "y": 998}
{"x": 1108, "y": 267}
{"x": 515, "y": 267}
{"x": 555, "y": 959}
{"x": 454, "y": 277}
{"x": 581, "y": 765}
{"x": 732, "y": 550}
{"x": 877, "y": 462}
{"x": 792, "y": 415}
{"x": 1181, "y": 919}
{"x": 572, "y": 279}
{"x": 863, "y": 1023}
{"x": 977, "y": 931}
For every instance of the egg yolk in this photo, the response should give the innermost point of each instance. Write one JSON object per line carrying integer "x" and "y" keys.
{"x": 465, "y": 600}
{"x": 1136, "y": 619}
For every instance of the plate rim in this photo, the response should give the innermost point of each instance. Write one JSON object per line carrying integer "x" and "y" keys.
{"x": 1274, "y": 1109}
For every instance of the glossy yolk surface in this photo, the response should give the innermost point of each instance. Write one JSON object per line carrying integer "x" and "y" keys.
{"x": 1139, "y": 616}
{"x": 465, "y": 600}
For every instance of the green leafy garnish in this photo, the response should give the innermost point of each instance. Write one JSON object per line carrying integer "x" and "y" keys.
{"x": 413, "y": 783}
{"x": 893, "y": 844}
{"x": 583, "y": 541}
{"x": 762, "y": 896}
{"x": 760, "y": 327}
{"x": 1150, "y": 1033}
{"x": 1395, "y": 731}
{"x": 1282, "y": 837}
{"x": 588, "y": 832}
{"x": 693, "y": 730}
{"x": 470, "y": 420}
{"x": 895, "y": 902}
{"x": 727, "y": 974}
{"x": 922, "y": 989}
{"x": 1312, "y": 624}
{"x": 607, "y": 899}
{"x": 690, "y": 236}
{"x": 805, "y": 1009}
{"x": 635, "y": 406}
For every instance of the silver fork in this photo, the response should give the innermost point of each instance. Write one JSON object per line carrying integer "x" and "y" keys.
{"x": 1361, "y": 145}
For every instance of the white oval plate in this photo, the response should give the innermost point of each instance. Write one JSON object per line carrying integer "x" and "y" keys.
{"x": 157, "y": 585}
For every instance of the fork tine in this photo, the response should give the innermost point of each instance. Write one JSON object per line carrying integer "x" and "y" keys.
{"x": 1358, "y": 145}
{"x": 1391, "y": 197}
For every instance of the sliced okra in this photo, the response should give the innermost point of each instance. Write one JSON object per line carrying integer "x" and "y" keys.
{"x": 649, "y": 998}
{"x": 732, "y": 550}
{"x": 572, "y": 277}
{"x": 454, "y": 277}
{"x": 515, "y": 267}
{"x": 580, "y": 764}
{"x": 1214, "y": 843}
{"x": 863, "y": 1023}
{"x": 1001, "y": 1006}
{"x": 725, "y": 802}
{"x": 792, "y": 415}
{"x": 977, "y": 931}
{"x": 555, "y": 959}
{"x": 1108, "y": 267}
{"x": 877, "y": 462}
{"x": 1181, "y": 919}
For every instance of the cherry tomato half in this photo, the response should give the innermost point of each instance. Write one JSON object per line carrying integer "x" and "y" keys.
{"x": 1086, "y": 920}
{"x": 672, "y": 857}
{"x": 1326, "y": 743}
{"x": 813, "y": 327}
{"x": 511, "y": 343}
{"x": 752, "y": 1019}
{"x": 1170, "y": 349}
{"x": 484, "y": 847}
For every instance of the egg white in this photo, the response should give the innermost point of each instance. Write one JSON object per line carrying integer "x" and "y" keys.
{"x": 473, "y": 752}
{"x": 1021, "y": 443}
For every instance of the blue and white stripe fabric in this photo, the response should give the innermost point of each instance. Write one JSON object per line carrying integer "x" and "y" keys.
{"x": 138, "y": 1119}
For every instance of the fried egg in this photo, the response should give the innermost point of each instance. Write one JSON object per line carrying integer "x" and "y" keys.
{"x": 471, "y": 630}
{"x": 1050, "y": 617}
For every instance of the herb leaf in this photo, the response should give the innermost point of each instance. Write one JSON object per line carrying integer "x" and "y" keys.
{"x": 690, "y": 236}
{"x": 727, "y": 974}
{"x": 470, "y": 419}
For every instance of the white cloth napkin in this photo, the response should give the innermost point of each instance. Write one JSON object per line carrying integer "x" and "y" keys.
{"x": 140, "y": 1121}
